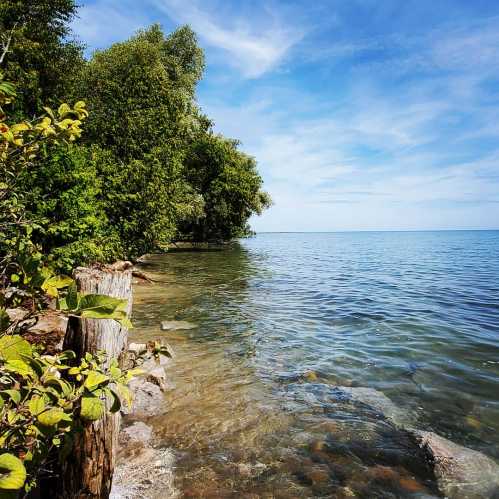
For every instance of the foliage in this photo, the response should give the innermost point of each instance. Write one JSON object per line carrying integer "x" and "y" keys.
{"x": 44, "y": 399}
{"x": 64, "y": 194}
{"x": 230, "y": 185}
{"x": 150, "y": 170}
{"x": 41, "y": 58}
{"x": 140, "y": 92}
{"x": 23, "y": 146}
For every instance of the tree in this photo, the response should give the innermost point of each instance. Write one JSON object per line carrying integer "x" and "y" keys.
{"x": 140, "y": 92}
{"x": 230, "y": 185}
{"x": 140, "y": 95}
{"x": 64, "y": 196}
{"x": 41, "y": 58}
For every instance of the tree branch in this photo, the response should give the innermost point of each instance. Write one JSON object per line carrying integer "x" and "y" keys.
{"x": 6, "y": 43}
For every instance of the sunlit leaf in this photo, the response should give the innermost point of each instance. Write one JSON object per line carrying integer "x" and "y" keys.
{"x": 51, "y": 417}
{"x": 92, "y": 408}
{"x": 12, "y": 472}
{"x": 94, "y": 379}
{"x": 14, "y": 347}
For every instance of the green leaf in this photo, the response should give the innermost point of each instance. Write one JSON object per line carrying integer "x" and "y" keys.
{"x": 14, "y": 347}
{"x": 14, "y": 278}
{"x": 72, "y": 297}
{"x": 51, "y": 285}
{"x": 94, "y": 379}
{"x": 116, "y": 402}
{"x": 125, "y": 394}
{"x": 12, "y": 472}
{"x": 36, "y": 405}
{"x": 92, "y": 408}
{"x": 51, "y": 417}
{"x": 103, "y": 307}
{"x": 15, "y": 395}
{"x": 19, "y": 367}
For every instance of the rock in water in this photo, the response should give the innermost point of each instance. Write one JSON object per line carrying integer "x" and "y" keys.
{"x": 147, "y": 398}
{"x": 137, "y": 433}
{"x": 177, "y": 325}
{"x": 147, "y": 475}
{"x": 379, "y": 401}
{"x": 461, "y": 473}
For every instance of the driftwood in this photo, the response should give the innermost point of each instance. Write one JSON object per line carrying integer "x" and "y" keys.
{"x": 88, "y": 472}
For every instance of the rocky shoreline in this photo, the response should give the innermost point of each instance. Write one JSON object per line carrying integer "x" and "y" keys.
{"x": 145, "y": 471}
{"x": 142, "y": 470}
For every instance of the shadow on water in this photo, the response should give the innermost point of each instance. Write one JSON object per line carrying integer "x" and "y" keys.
{"x": 282, "y": 322}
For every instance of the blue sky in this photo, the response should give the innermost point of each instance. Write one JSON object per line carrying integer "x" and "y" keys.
{"x": 362, "y": 114}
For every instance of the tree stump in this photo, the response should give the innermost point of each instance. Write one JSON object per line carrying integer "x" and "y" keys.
{"x": 88, "y": 472}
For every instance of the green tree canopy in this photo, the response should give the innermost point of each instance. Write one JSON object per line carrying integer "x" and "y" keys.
{"x": 140, "y": 92}
{"x": 42, "y": 59}
{"x": 230, "y": 185}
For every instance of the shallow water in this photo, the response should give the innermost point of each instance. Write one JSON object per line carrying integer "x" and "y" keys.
{"x": 286, "y": 318}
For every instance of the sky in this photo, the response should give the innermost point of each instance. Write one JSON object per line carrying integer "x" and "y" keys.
{"x": 362, "y": 114}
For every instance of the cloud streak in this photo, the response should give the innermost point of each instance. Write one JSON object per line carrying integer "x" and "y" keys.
{"x": 253, "y": 50}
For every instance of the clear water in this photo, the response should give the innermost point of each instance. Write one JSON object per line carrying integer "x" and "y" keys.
{"x": 286, "y": 318}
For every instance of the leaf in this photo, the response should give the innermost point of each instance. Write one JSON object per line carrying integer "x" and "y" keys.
{"x": 104, "y": 307}
{"x": 51, "y": 417}
{"x": 94, "y": 379}
{"x": 12, "y": 472}
{"x": 72, "y": 297}
{"x": 51, "y": 285}
{"x": 125, "y": 394}
{"x": 19, "y": 367}
{"x": 116, "y": 404}
{"x": 36, "y": 405}
{"x": 92, "y": 408}
{"x": 14, "y": 278}
{"x": 63, "y": 110}
{"x": 15, "y": 395}
{"x": 14, "y": 347}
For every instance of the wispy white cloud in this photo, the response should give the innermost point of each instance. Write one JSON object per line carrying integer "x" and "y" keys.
{"x": 253, "y": 47}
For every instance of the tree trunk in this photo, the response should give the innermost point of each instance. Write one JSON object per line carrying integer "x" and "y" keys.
{"x": 88, "y": 472}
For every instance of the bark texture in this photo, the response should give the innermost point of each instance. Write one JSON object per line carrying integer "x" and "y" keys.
{"x": 88, "y": 472}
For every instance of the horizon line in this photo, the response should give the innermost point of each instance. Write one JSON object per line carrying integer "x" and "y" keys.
{"x": 370, "y": 230}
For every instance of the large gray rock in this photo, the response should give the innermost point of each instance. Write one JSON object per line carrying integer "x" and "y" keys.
{"x": 461, "y": 473}
{"x": 137, "y": 433}
{"x": 379, "y": 401}
{"x": 177, "y": 325}
{"x": 146, "y": 475}
{"x": 147, "y": 398}
{"x": 158, "y": 377}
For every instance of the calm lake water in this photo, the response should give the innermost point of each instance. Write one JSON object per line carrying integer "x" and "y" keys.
{"x": 284, "y": 319}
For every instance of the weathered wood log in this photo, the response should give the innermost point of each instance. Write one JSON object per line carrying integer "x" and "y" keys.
{"x": 88, "y": 472}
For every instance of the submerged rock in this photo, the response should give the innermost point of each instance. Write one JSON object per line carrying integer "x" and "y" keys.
{"x": 379, "y": 401}
{"x": 146, "y": 475}
{"x": 461, "y": 473}
{"x": 177, "y": 325}
{"x": 137, "y": 433}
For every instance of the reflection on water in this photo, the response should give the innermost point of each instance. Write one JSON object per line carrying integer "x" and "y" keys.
{"x": 286, "y": 318}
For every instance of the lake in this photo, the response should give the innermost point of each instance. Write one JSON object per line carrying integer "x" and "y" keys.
{"x": 284, "y": 319}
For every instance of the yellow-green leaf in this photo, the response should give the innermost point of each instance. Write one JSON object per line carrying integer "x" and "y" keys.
{"x": 19, "y": 367}
{"x": 94, "y": 379}
{"x": 12, "y": 472}
{"x": 92, "y": 408}
{"x": 51, "y": 417}
{"x": 36, "y": 405}
{"x": 14, "y": 347}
